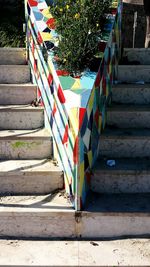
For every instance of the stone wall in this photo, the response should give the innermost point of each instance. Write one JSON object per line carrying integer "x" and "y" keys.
{"x": 127, "y": 26}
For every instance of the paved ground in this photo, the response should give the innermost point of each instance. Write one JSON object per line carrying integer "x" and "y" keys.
{"x": 126, "y": 252}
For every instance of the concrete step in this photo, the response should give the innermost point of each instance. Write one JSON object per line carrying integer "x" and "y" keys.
{"x": 116, "y": 215}
{"x": 127, "y": 176}
{"x": 118, "y": 143}
{"x": 12, "y": 56}
{"x": 29, "y": 176}
{"x": 13, "y": 74}
{"x": 131, "y": 94}
{"x": 25, "y": 144}
{"x": 30, "y": 252}
{"x": 21, "y": 117}
{"x": 17, "y": 94}
{"x": 42, "y": 216}
{"x": 128, "y": 116}
{"x": 134, "y": 73}
{"x": 141, "y": 55}
{"x": 52, "y": 216}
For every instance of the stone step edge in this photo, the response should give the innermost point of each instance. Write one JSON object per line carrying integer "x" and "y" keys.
{"x": 133, "y": 85}
{"x": 128, "y": 108}
{"x": 136, "y": 49}
{"x": 20, "y": 108}
{"x": 45, "y": 166}
{"x": 15, "y": 49}
{"x": 10, "y": 85}
{"x": 128, "y": 133}
{"x": 14, "y": 66}
{"x": 122, "y": 171}
{"x": 136, "y": 67}
{"x": 105, "y": 136}
{"x": 24, "y": 134}
{"x": 5, "y": 211}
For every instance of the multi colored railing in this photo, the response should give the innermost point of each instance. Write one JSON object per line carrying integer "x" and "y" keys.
{"x": 75, "y": 107}
{"x": 95, "y": 112}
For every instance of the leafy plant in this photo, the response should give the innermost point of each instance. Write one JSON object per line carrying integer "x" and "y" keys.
{"x": 79, "y": 24}
{"x": 11, "y": 23}
{"x": 11, "y": 36}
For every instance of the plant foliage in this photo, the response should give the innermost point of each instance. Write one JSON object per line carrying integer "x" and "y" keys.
{"x": 11, "y": 23}
{"x": 79, "y": 24}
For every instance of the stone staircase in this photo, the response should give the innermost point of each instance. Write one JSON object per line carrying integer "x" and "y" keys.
{"x": 29, "y": 177}
{"x": 122, "y": 191}
{"x": 32, "y": 203}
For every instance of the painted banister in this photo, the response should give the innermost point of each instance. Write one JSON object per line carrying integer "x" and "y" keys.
{"x": 75, "y": 107}
{"x": 95, "y": 114}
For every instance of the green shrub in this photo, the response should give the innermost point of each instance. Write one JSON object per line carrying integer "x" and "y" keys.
{"x": 11, "y": 36}
{"x": 79, "y": 24}
{"x": 12, "y": 18}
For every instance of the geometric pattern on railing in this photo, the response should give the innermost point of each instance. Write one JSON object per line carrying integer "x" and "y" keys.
{"x": 95, "y": 113}
{"x": 75, "y": 107}
{"x": 63, "y": 120}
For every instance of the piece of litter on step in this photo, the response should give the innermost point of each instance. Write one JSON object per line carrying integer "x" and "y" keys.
{"x": 117, "y": 82}
{"x": 111, "y": 162}
{"x": 94, "y": 243}
{"x": 140, "y": 82}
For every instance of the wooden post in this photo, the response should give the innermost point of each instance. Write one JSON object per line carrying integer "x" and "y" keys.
{"x": 147, "y": 37}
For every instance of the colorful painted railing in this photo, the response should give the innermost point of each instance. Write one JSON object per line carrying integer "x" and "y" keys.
{"x": 95, "y": 112}
{"x": 75, "y": 107}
